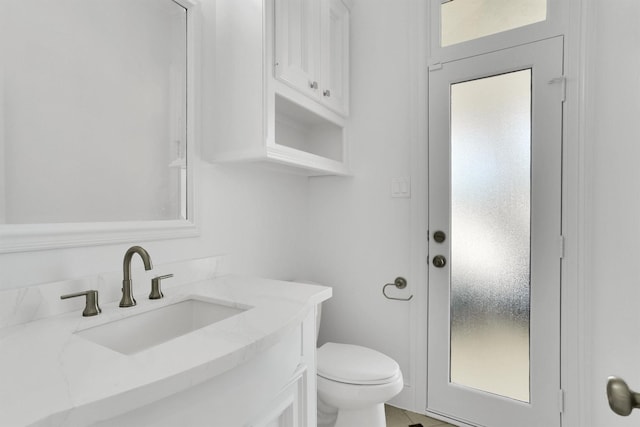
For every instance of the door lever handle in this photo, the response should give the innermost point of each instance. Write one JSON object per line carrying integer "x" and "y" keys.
{"x": 622, "y": 400}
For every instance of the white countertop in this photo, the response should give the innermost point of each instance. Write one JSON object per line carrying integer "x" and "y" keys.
{"x": 50, "y": 376}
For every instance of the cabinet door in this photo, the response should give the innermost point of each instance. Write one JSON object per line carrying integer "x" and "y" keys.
{"x": 335, "y": 56}
{"x": 289, "y": 409}
{"x": 297, "y": 32}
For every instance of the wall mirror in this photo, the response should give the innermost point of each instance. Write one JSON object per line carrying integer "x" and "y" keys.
{"x": 96, "y": 121}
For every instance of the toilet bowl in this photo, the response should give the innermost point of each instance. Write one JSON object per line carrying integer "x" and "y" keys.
{"x": 354, "y": 382}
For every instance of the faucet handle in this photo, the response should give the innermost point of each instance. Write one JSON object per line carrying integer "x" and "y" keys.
{"x": 156, "y": 292}
{"x": 91, "y": 306}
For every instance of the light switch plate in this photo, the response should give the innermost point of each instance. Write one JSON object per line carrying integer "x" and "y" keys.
{"x": 401, "y": 187}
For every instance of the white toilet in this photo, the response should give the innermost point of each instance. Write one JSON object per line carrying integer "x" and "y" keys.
{"x": 354, "y": 382}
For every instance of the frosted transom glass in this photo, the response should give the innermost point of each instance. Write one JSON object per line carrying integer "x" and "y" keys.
{"x": 490, "y": 233}
{"x": 463, "y": 20}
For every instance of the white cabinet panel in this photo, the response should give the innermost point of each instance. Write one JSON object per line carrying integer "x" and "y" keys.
{"x": 335, "y": 56}
{"x": 289, "y": 409}
{"x": 297, "y": 43}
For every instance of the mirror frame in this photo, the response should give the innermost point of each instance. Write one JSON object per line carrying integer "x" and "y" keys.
{"x": 33, "y": 237}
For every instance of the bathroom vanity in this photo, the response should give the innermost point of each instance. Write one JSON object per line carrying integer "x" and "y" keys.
{"x": 241, "y": 353}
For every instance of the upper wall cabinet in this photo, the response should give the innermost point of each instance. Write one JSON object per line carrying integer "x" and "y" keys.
{"x": 281, "y": 88}
{"x": 312, "y": 49}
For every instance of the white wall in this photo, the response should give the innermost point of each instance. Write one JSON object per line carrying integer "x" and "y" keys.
{"x": 613, "y": 203}
{"x": 257, "y": 217}
{"x": 359, "y": 235}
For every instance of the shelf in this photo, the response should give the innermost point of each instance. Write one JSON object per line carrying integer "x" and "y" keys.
{"x": 300, "y": 129}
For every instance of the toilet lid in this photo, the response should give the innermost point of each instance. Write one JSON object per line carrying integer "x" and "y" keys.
{"x": 353, "y": 364}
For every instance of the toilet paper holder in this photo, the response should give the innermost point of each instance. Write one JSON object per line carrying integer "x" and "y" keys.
{"x": 399, "y": 283}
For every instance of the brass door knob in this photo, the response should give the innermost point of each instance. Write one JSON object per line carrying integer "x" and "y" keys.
{"x": 439, "y": 261}
{"x": 622, "y": 400}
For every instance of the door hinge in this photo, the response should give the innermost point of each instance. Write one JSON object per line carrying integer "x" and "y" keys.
{"x": 561, "y": 400}
{"x": 563, "y": 86}
{"x": 427, "y": 247}
{"x": 561, "y": 246}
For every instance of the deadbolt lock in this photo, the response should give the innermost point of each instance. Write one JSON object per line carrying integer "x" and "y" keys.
{"x": 439, "y": 236}
{"x": 439, "y": 261}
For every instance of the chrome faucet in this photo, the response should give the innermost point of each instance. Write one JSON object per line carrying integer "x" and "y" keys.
{"x": 127, "y": 297}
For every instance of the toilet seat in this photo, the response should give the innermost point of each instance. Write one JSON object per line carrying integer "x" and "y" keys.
{"x": 353, "y": 364}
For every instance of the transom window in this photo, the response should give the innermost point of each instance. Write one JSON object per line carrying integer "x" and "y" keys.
{"x": 464, "y": 20}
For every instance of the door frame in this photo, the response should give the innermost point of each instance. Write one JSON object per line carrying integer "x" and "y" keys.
{"x": 575, "y": 293}
{"x": 544, "y": 226}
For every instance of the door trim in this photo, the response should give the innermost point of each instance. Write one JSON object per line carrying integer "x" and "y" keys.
{"x": 545, "y": 226}
{"x": 576, "y": 294}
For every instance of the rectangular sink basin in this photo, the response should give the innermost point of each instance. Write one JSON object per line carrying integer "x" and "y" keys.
{"x": 145, "y": 330}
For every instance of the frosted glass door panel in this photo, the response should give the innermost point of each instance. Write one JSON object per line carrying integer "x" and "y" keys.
{"x": 490, "y": 233}
{"x": 463, "y": 20}
{"x": 495, "y": 158}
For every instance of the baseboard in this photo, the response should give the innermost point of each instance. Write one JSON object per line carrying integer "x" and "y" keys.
{"x": 405, "y": 399}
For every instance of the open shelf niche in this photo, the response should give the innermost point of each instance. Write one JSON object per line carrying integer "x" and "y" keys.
{"x": 303, "y": 138}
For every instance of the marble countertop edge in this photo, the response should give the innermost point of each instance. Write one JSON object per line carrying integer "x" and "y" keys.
{"x": 56, "y": 374}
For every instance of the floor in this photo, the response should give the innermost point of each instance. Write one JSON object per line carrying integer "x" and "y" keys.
{"x": 401, "y": 418}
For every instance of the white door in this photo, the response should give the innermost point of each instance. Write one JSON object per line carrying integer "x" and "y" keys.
{"x": 495, "y": 144}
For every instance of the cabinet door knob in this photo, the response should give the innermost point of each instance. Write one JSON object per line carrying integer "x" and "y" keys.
{"x": 327, "y": 93}
{"x": 313, "y": 85}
